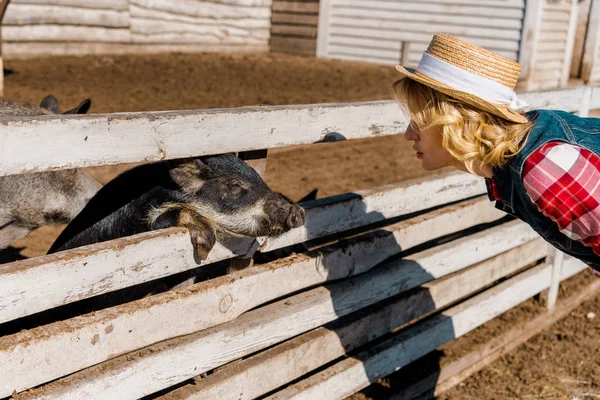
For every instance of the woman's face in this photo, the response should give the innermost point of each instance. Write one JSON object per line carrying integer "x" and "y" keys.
{"x": 428, "y": 147}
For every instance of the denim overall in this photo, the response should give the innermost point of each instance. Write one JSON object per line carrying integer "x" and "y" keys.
{"x": 548, "y": 126}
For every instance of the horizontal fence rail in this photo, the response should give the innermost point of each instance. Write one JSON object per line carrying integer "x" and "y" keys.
{"x": 57, "y": 142}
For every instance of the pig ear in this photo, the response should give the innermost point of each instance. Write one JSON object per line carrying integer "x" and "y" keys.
{"x": 50, "y": 103}
{"x": 204, "y": 170}
{"x": 82, "y": 108}
{"x": 189, "y": 175}
{"x": 202, "y": 232}
{"x": 203, "y": 238}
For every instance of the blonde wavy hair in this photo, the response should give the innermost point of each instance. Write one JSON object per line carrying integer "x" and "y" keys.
{"x": 468, "y": 134}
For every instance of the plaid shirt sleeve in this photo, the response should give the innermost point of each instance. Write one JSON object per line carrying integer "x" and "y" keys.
{"x": 563, "y": 181}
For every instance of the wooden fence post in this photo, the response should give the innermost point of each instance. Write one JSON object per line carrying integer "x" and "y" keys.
{"x": 404, "y": 59}
{"x": 323, "y": 28}
{"x": 571, "y": 33}
{"x": 590, "y": 51}
{"x": 3, "y": 5}
{"x": 531, "y": 30}
{"x": 555, "y": 259}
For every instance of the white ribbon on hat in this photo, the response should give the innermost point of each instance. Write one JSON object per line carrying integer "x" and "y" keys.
{"x": 459, "y": 79}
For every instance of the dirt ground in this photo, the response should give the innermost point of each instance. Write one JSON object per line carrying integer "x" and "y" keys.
{"x": 561, "y": 362}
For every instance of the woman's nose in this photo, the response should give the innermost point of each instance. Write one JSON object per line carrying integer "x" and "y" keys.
{"x": 411, "y": 133}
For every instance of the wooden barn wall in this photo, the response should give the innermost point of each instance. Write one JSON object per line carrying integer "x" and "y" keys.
{"x": 388, "y": 32}
{"x": 81, "y": 26}
{"x": 294, "y": 27}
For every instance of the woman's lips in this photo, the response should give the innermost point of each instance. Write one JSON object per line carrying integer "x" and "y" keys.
{"x": 419, "y": 155}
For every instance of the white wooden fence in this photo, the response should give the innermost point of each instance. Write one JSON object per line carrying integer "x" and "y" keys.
{"x": 286, "y": 314}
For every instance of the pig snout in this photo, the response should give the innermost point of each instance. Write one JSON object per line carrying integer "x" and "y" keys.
{"x": 295, "y": 217}
{"x": 281, "y": 214}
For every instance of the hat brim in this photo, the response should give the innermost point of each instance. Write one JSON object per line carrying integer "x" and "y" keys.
{"x": 499, "y": 110}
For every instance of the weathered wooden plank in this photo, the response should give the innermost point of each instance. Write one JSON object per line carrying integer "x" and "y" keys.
{"x": 429, "y": 18}
{"x": 591, "y": 53}
{"x": 133, "y": 376}
{"x": 365, "y": 59}
{"x": 583, "y": 14}
{"x": 30, "y": 14}
{"x": 37, "y": 356}
{"x": 323, "y": 28}
{"x": 554, "y": 26}
{"x": 197, "y": 38}
{"x": 594, "y": 102}
{"x": 41, "y": 283}
{"x": 553, "y": 36}
{"x": 296, "y": 7}
{"x": 549, "y": 65}
{"x": 294, "y": 30}
{"x": 529, "y": 43}
{"x": 555, "y": 259}
{"x": 545, "y": 47}
{"x": 295, "y": 19}
{"x": 360, "y": 43}
{"x": 489, "y": 43}
{"x": 357, "y": 372}
{"x": 487, "y": 3}
{"x": 557, "y": 54}
{"x": 220, "y": 30}
{"x": 24, "y": 50}
{"x": 51, "y": 33}
{"x": 119, "y": 5}
{"x": 568, "y": 99}
{"x": 454, "y": 373}
{"x": 431, "y": 28}
{"x": 365, "y": 207}
{"x": 546, "y": 78}
{"x": 464, "y": 8}
{"x": 391, "y": 54}
{"x": 293, "y": 45}
{"x": 159, "y": 15}
{"x": 209, "y": 9}
{"x": 560, "y": 15}
{"x": 292, "y": 359}
{"x": 584, "y": 109}
{"x": 73, "y": 141}
{"x": 557, "y": 6}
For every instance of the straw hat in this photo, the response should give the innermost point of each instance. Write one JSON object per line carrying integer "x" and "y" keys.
{"x": 471, "y": 74}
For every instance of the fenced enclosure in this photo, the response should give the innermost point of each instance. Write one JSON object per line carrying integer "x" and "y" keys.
{"x": 324, "y": 319}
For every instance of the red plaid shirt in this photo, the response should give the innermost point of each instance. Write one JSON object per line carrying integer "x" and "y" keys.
{"x": 563, "y": 181}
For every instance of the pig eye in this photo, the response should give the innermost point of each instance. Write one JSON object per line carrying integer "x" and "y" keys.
{"x": 236, "y": 190}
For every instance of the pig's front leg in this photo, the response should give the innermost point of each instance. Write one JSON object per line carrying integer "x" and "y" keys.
{"x": 202, "y": 232}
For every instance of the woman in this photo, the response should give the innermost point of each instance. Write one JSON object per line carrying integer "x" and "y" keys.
{"x": 542, "y": 166}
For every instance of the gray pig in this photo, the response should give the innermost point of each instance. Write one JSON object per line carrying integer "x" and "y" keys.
{"x": 214, "y": 197}
{"x": 28, "y": 201}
